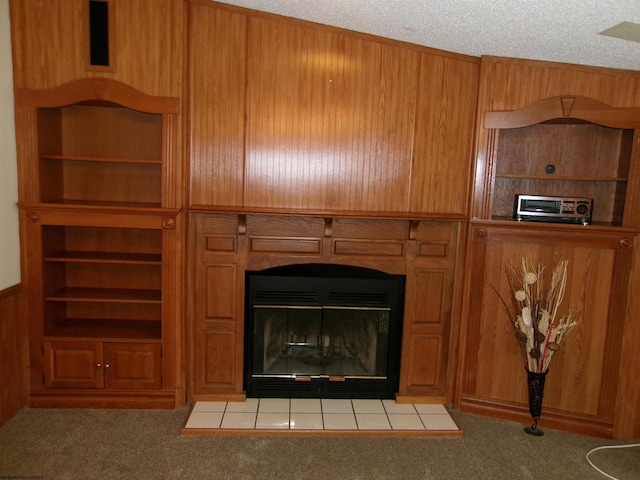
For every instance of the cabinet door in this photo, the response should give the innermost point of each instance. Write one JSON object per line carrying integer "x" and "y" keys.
{"x": 73, "y": 365}
{"x": 132, "y": 366}
{"x": 216, "y": 339}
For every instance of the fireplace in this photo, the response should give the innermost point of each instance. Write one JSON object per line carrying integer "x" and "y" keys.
{"x": 323, "y": 331}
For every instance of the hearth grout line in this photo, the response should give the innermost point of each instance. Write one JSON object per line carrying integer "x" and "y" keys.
{"x": 367, "y": 415}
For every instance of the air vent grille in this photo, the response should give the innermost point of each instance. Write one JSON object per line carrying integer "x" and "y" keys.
{"x": 359, "y": 299}
{"x": 286, "y": 298}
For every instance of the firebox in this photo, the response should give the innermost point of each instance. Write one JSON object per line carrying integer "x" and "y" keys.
{"x": 323, "y": 331}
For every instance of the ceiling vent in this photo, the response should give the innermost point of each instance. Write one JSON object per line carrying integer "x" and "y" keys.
{"x": 625, "y": 30}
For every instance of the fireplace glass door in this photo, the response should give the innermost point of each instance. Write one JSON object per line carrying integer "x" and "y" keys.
{"x": 323, "y": 331}
{"x": 321, "y": 341}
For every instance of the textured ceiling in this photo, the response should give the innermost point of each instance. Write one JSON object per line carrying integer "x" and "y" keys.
{"x": 554, "y": 30}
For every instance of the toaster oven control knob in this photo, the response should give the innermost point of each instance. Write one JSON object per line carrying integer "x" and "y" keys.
{"x": 582, "y": 209}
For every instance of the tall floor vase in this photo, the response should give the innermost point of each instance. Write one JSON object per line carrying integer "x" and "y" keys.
{"x": 535, "y": 382}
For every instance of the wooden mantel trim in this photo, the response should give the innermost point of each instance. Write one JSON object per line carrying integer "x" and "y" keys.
{"x": 411, "y": 216}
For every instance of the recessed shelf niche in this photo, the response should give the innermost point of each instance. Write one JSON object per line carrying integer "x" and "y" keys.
{"x": 102, "y": 282}
{"x": 100, "y": 155}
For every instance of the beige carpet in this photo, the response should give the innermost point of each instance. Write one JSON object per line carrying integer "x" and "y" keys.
{"x": 147, "y": 444}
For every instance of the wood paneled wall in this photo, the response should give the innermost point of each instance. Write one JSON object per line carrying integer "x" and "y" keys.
{"x": 14, "y": 362}
{"x": 593, "y": 388}
{"x": 50, "y": 44}
{"x": 510, "y": 84}
{"x": 287, "y": 115}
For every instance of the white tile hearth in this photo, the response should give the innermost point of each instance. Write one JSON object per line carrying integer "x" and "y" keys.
{"x": 318, "y": 416}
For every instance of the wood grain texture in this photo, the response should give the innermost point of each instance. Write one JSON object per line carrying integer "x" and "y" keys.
{"x": 288, "y": 115}
{"x": 627, "y": 414}
{"x": 217, "y": 78}
{"x": 510, "y": 84}
{"x": 583, "y": 375}
{"x": 330, "y": 120}
{"x": 539, "y": 88}
{"x": 14, "y": 374}
{"x": 444, "y": 134}
{"x": 274, "y": 240}
{"x": 50, "y": 44}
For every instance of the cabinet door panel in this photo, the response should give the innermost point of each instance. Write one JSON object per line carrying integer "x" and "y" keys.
{"x": 221, "y": 292}
{"x": 424, "y": 363}
{"x": 219, "y": 355}
{"x": 132, "y": 366}
{"x": 73, "y": 365}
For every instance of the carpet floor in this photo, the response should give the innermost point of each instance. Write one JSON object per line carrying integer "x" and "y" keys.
{"x": 146, "y": 444}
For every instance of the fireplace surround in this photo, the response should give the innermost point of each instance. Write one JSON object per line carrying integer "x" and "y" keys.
{"x": 322, "y": 331}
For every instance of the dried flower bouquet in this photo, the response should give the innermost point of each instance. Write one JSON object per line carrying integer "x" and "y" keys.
{"x": 538, "y": 330}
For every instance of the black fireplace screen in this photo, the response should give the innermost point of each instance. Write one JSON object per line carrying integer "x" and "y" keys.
{"x": 323, "y": 331}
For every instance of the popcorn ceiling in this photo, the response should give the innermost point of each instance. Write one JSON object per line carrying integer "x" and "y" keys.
{"x": 554, "y": 30}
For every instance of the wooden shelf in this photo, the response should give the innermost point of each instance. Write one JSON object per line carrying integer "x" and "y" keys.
{"x": 96, "y": 203}
{"x": 106, "y": 257}
{"x": 558, "y": 178}
{"x": 110, "y": 295}
{"x": 104, "y": 329}
{"x": 72, "y": 158}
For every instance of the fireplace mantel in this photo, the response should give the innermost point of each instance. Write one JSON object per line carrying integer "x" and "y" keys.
{"x": 224, "y": 246}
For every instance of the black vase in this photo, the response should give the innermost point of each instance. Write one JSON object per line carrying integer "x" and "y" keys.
{"x": 535, "y": 382}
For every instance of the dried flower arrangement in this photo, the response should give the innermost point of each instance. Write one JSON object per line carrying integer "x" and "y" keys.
{"x": 536, "y": 307}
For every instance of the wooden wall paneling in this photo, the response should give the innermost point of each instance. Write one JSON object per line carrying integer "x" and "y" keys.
{"x": 429, "y": 297}
{"x": 27, "y": 149}
{"x": 627, "y": 414}
{"x": 217, "y": 78}
{"x": 444, "y": 134}
{"x": 330, "y": 120}
{"x": 583, "y": 377}
{"x": 173, "y": 298}
{"x": 218, "y": 322}
{"x": 31, "y": 252}
{"x": 50, "y": 44}
{"x": 14, "y": 353}
{"x": 39, "y": 45}
{"x": 510, "y": 84}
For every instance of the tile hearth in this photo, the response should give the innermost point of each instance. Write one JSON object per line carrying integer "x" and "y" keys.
{"x": 319, "y": 417}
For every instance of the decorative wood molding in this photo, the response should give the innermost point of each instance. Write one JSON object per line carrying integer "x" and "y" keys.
{"x": 580, "y": 108}
{"x": 11, "y": 291}
{"x": 96, "y": 90}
